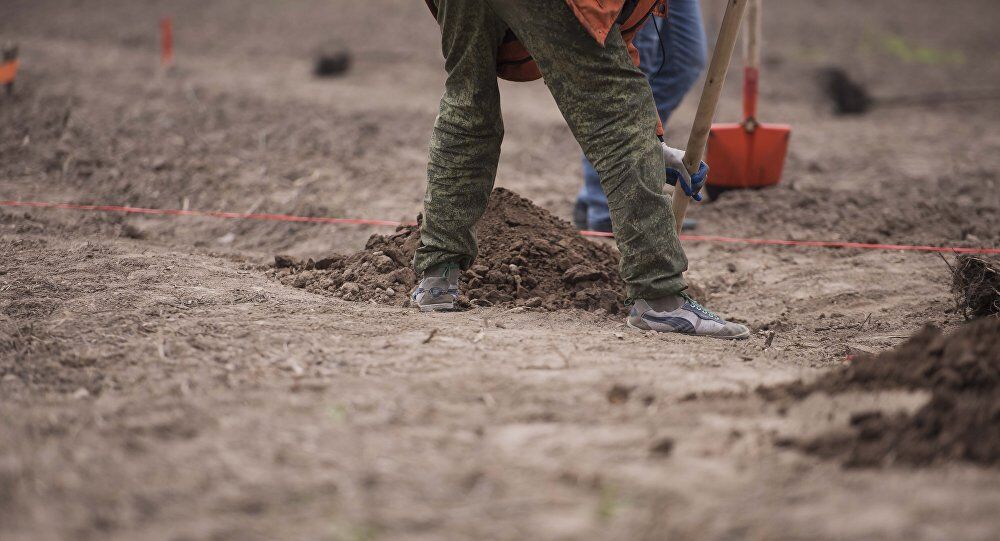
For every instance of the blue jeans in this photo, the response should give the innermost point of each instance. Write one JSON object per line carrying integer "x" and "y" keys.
{"x": 683, "y": 38}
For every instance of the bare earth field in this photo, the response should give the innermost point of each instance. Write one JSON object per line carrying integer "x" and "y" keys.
{"x": 157, "y": 383}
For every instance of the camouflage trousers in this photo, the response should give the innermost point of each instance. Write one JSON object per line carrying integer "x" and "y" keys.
{"x": 604, "y": 98}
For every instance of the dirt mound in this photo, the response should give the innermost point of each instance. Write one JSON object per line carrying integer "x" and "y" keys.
{"x": 527, "y": 257}
{"x": 960, "y": 422}
{"x": 977, "y": 286}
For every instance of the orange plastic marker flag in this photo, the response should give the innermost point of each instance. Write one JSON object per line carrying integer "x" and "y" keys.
{"x": 8, "y": 67}
{"x": 166, "y": 42}
{"x": 8, "y": 70}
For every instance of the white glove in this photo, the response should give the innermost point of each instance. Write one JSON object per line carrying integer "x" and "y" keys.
{"x": 673, "y": 158}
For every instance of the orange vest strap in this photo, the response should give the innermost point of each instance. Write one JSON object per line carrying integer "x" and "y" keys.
{"x": 597, "y": 16}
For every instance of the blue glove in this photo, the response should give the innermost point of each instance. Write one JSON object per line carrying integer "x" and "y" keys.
{"x": 674, "y": 160}
{"x": 697, "y": 181}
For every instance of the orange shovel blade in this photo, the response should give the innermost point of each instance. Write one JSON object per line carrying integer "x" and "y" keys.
{"x": 738, "y": 158}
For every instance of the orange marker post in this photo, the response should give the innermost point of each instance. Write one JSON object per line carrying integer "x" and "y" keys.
{"x": 166, "y": 42}
{"x": 8, "y": 68}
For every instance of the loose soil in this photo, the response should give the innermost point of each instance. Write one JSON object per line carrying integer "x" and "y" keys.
{"x": 960, "y": 422}
{"x": 527, "y": 257}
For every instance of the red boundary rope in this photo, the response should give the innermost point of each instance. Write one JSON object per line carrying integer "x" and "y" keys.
{"x": 389, "y": 223}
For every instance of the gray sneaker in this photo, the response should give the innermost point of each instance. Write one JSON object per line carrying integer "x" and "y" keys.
{"x": 438, "y": 290}
{"x": 682, "y": 314}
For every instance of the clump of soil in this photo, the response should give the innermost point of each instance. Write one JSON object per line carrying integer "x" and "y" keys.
{"x": 977, "y": 286}
{"x": 333, "y": 59}
{"x": 848, "y": 96}
{"x": 527, "y": 257}
{"x": 960, "y": 422}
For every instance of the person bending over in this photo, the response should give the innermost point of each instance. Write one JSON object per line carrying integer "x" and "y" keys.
{"x": 583, "y": 50}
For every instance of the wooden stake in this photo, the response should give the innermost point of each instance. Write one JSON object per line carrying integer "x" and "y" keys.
{"x": 166, "y": 42}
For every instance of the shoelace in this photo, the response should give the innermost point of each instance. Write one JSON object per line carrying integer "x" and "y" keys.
{"x": 447, "y": 267}
{"x": 694, "y": 304}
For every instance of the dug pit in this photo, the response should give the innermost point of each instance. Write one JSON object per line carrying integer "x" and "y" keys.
{"x": 527, "y": 257}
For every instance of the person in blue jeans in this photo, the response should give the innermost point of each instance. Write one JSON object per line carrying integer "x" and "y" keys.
{"x": 672, "y": 54}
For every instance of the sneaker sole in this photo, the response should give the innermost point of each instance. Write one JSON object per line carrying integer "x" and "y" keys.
{"x": 443, "y": 307}
{"x": 743, "y": 336}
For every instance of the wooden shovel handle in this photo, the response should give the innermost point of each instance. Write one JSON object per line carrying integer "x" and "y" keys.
{"x": 751, "y": 65}
{"x": 709, "y": 99}
{"x": 751, "y": 35}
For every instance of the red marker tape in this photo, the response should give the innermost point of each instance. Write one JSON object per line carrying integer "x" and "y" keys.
{"x": 392, "y": 223}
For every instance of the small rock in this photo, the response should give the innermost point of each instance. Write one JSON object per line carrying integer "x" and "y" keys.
{"x": 327, "y": 262}
{"x": 384, "y": 264}
{"x": 81, "y": 393}
{"x": 619, "y": 393}
{"x": 284, "y": 261}
{"x": 132, "y": 232}
{"x": 533, "y": 302}
{"x": 161, "y": 164}
{"x": 397, "y": 256}
{"x": 295, "y": 367}
{"x": 404, "y": 276}
{"x": 390, "y": 291}
{"x": 350, "y": 288}
{"x": 581, "y": 273}
{"x": 332, "y": 60}
{"x": 662, "y": 447}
